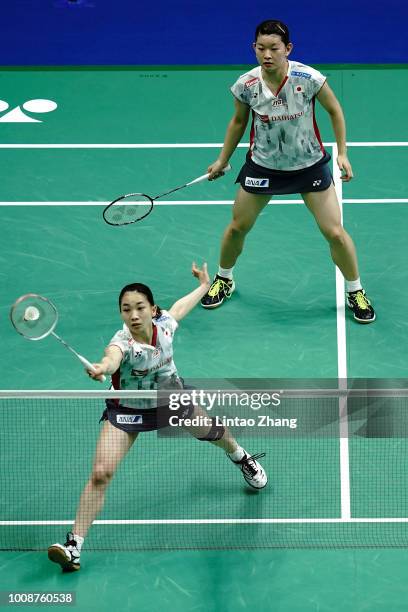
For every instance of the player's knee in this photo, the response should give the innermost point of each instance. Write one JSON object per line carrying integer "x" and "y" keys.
{"x": 239, "y": 227}
{"x": 335, "y": 235}
{"x": 101, "y": 475}
{"x": 215, "y": 433}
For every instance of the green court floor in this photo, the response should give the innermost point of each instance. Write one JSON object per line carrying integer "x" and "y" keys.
{"x": 281, "y": 323}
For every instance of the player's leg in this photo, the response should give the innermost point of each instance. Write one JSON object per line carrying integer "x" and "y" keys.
{"x": 112, "y": 446}
{"x": 217, "y": 434}
{"x": 246, "y": 209}
{"x": 326, "y": 211}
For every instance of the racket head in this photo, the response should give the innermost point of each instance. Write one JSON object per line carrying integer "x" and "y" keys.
{"x": 128, "y": 209}
{"x": 36, "y": 323}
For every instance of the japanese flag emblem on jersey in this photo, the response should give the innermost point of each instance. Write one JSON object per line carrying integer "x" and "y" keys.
{"x": 299, "y": 89}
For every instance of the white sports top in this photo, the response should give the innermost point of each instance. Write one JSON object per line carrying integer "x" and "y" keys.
{"x": 284, "y": 133}
{"x": 144, "y": 366}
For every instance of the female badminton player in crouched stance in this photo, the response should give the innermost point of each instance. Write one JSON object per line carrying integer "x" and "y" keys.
{"x": 286, "y": 155}
{"x": 140, "y": 355}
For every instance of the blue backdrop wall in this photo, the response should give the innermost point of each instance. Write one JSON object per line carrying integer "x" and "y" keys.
{"x": 126, "y": 32}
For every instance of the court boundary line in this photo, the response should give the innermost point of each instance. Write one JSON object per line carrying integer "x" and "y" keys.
{"x": 344, "y": 459}
{"x": 198, "y": 202}
{"x": 213, "y": 521}
{"x": 174, "y": 145}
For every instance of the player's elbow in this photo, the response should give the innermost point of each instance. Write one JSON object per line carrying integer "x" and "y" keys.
{"x": 335, "y": 112}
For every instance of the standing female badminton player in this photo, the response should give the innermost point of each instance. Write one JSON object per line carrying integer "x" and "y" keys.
{"x": 286, "y": 155}
{"x": 140, "y": 355}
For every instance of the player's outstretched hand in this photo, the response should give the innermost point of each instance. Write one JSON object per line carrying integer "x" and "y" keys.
{"x": 345, "y": 167}
{"x": 100, "y": 370}
{"x": 201, "y": 274}
{"x": 216, "y": 170}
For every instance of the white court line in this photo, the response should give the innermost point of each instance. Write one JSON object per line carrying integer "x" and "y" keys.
{"x": 212, "y": 521}
{"x": 342, "y": 364}
{"x": 174, "y": 145}
{"x": 205, "y": 202}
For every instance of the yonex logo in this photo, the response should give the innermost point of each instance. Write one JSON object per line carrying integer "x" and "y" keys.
{"x": 129, "y": 419}
{"x": 256, "y": 182}
{"x": 316, "y": 183}
{"x": 16, "y": 115}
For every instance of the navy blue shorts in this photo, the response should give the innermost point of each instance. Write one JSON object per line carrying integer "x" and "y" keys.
{"x": 133, "y": 420}
{"x": 257, "y": 179}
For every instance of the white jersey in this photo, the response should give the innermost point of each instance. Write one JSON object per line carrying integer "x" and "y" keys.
{"x": 284, "y": 134}
{"x": 145, "y": 366}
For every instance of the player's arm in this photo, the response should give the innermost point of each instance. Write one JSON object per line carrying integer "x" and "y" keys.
{"x": 183, "y": 306}
{"x": 235, "y": 131}
{"x": 109, "y": 363}
{"x": 330, "y": 103}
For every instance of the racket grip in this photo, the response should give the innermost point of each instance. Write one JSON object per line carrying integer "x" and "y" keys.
{"x": 89, "y": 366}
{"x": 204, "y": 177}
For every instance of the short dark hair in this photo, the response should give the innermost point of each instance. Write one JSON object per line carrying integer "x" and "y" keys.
{"x": 273, "y": 26}
{"x": 140, "y": 288}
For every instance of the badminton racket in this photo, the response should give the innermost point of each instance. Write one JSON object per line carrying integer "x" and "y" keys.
{"x": 134, "y": 207}
{"x": 35, "y": 317}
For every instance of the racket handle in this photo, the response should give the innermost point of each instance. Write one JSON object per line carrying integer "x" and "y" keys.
{"x": 204, "y": 177}
{"x": 89, "y": 366}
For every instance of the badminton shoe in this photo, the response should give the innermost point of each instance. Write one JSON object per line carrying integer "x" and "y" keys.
{"x": 358, "y": 302}
{"x": 220, "y": 290}
{"x": 67, "y": 556}
{"x": 252, "y": 471}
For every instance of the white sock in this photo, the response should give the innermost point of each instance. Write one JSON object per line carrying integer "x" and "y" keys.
{"x": 225, "y": 272}
{"x": 238, "y": 454}
{"x": 354, "y": 285}
{"x": 79, "y": 540}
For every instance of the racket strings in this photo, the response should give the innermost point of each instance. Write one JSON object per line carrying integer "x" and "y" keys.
{"x": 128, "y": 209}
{"x": 34, "y": 317}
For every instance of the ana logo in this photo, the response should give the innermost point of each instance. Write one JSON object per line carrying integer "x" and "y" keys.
{"x": 256, "y": 182}
{"x": 156, "y": 352}
{"x": 129, "y": 419}
{"x": 302, "y": 75}
{"x": 16, "y": 115}
{"x": 316, "y": 183}
{"x": 277, "y": 102}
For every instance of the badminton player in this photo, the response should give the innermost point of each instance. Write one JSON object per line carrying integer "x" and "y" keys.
{"x": 286, "y": 155}
{"x": 140, "y": 356}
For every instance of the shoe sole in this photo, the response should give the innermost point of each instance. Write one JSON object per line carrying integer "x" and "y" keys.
{"x": 254, "y": 487}
{"x": 56, "y": 555}
{"x": 364, "y": 321}
{"x": 227, "y": 297}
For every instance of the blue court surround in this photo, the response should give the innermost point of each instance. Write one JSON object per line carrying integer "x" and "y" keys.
{"x": 100, "y": 32}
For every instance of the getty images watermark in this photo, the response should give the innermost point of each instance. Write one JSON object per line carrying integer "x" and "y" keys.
{"x": 209, "y": 400}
